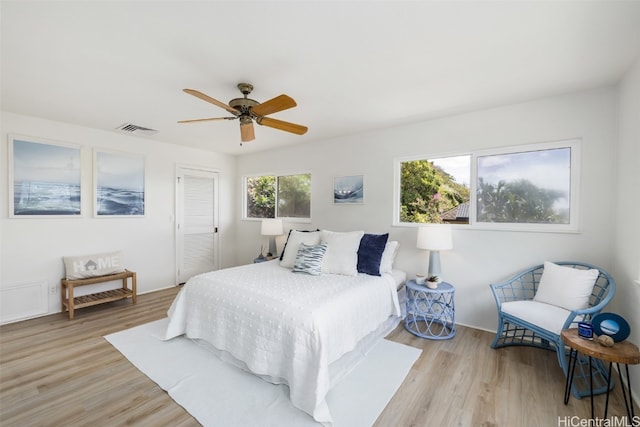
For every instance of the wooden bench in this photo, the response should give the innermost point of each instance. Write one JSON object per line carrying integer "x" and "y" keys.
{"x": 72, "y": 303}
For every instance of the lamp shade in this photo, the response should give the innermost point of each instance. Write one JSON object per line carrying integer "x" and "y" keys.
{"x": 435, "y": 237}
{"x": 271, "y": 227}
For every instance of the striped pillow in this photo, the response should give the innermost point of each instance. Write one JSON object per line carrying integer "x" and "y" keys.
{"x": 310, "y": 258}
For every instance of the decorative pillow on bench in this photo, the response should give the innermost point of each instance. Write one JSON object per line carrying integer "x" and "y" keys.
{"x": 83, "y": 267}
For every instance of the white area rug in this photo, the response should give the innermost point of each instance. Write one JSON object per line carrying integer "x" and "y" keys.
{"x": 218, "y": 394}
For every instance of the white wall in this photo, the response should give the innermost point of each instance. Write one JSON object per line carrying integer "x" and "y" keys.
{"x": 626, "y": 262}
{"x": 479, "y": 257}
{"x": 32, "y": 249}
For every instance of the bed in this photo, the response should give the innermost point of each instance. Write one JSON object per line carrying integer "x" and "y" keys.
{"x": 288, "y": 327}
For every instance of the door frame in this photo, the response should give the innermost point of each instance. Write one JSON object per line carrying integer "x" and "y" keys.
{"x": 180, "y": 167}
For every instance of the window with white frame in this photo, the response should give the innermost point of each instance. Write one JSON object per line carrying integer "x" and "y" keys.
{"x": 278, "y": 196}
{"x": 435, "y": 190}
{"x": 533, "y": 187}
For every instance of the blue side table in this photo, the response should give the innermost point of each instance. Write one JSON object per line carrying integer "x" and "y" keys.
{"x": 430, "y": 312}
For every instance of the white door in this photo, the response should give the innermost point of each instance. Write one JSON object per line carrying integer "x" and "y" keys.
{"x": 196, "y": 222}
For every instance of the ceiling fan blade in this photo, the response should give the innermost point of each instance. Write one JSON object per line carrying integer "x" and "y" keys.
{"x": 247, "y": 132}
{"x": 279, "y": 103}
{"x": 206, "y": 120}
{"x": 282, "y": 125}
{"x": 209, "y": 99}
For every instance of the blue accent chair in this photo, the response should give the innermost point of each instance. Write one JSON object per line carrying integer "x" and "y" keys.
{"x": 513, "y": 330}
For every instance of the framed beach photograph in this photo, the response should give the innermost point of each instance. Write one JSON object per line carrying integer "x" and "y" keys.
{"x": 348, "y": 189}
{"x": 119, "y": 184}
{"x": 45, "y": 178}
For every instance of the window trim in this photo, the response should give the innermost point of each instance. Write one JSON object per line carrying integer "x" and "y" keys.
{"x": 244, "y": 216}
{"x": 574, "y": 192}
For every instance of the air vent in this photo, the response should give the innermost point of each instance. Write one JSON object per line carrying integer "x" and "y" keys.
{"x": 136, "y": 130}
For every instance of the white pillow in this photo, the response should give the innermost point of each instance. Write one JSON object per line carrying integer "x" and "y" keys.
{"x": 309, "y": 238}
{"x": 566, "y": 287}
{"x": 342, "y": 252}
{"x": 388, "y": 256}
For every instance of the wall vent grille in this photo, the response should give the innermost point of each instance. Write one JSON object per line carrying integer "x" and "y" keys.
{"x": 136, "y": 130}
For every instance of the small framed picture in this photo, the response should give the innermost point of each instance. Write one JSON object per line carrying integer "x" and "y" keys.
{"x": 119, "y": 184}
{"x": 348, "y": 189}
{"x": 45, "y": 178}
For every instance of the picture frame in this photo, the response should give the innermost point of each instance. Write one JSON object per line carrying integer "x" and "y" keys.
{"x": 348, "y": 189}
{"x": 45, "y": 178}
{"x": 119, "y": 184}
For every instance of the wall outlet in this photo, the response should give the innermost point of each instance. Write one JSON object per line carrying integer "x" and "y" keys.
{"x": 53, "y": 289}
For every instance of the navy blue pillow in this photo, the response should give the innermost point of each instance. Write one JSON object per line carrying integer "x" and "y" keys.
{"x": 370, "y": 253}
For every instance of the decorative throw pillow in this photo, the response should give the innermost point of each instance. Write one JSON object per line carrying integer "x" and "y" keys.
{"x": 296, "y": 237}
{"x": 342, "y": 253}
{"x": 309, "y": 259}
{"x": 287, "y": 241}
{"x": 370, "y": 253}
{"x": 83, "y": 267}
{"x": 566, "y": 287}
{"x": 389, "y": 256}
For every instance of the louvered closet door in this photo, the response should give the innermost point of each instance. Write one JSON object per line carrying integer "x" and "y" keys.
{"x": 197, "y": 222}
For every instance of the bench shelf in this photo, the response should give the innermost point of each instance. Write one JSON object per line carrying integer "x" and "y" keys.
{"x": 71, "y": 303}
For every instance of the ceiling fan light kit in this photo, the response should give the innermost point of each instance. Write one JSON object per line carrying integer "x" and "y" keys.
{"x": 248, "y": 110}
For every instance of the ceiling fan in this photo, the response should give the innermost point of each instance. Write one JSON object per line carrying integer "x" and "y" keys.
{"x": 248, "y": 110}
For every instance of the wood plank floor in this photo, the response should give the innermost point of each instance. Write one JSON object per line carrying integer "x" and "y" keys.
{"x": 56, "y": 372}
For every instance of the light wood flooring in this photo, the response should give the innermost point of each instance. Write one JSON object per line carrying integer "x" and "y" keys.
{"x": 57, "y": 372}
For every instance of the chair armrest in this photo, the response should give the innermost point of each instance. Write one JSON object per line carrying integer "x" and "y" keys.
{"x": 521, "y": 287}
{"x": 586, "y": 314}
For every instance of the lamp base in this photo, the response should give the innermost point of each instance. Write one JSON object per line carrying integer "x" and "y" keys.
{"x": 434, "y": 264}
{"x": 272, "y": 247}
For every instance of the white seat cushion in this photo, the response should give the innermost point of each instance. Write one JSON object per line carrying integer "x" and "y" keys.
{"x": 545, "y": 316}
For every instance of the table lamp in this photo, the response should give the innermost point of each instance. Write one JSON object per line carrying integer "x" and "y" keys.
{"x": 434, "y": 238}
{"x": 271, "y": 227}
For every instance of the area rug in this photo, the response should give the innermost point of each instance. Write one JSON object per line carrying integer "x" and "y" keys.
{"x": 218, "y": 394}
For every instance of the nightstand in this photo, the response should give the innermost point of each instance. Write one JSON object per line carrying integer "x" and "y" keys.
{"x": 430, "y": 312}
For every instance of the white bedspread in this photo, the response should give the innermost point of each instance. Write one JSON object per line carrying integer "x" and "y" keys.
{"x": 286, "y": 326}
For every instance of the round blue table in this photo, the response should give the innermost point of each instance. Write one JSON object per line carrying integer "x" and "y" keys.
{"x": 430, "y": 312}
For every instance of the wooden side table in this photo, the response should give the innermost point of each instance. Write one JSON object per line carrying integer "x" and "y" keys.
{"x": 624, "y": 352}
{"x": 430, "y": 312}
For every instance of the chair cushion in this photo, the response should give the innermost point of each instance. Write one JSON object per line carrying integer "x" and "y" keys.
{"x": 545, "y": 316}
{"x": 566, "y": 287}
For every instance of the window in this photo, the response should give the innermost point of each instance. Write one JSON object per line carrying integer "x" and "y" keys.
{"x": 533, "y": 187}
{"x": 435, "y": 190}
{"x": 285, "y": 196}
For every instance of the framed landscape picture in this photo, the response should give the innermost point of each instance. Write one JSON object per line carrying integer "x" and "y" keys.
{"x": 348, "y": 189}
{"x": 45, "y": 178}
{"x": 119, "y": 184}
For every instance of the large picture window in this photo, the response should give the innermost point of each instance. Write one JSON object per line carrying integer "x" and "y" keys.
{"x": 527, "y": 187}
{"x": 533, "y": 187}
{"x": 278, "y": 196}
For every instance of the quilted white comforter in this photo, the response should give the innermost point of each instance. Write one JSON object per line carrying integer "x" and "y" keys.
{"x": 286, "y": 326}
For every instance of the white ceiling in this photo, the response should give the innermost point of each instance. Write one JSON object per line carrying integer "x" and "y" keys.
{"x": 352, "y": 66}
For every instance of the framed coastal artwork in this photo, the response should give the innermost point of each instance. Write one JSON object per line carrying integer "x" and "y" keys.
{"x": 44, "y": 177}
{"x": 348, "y": 189}
{"x": 119, "y": 184}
